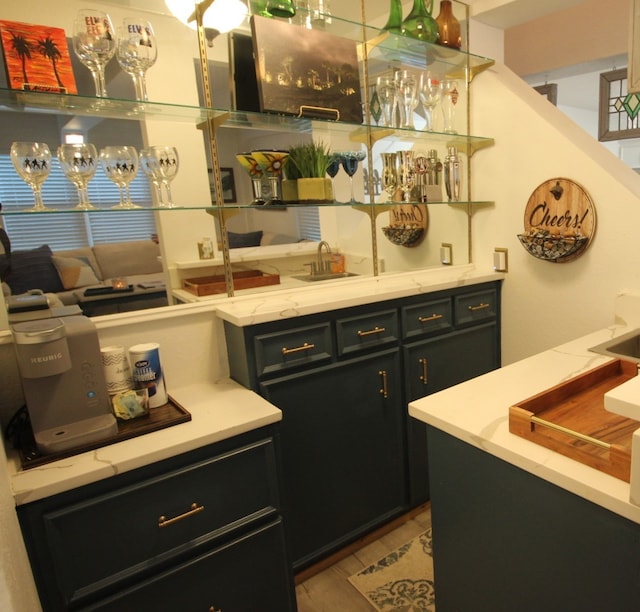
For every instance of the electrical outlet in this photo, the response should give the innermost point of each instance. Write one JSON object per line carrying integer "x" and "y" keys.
{"x": 500, "y": 259}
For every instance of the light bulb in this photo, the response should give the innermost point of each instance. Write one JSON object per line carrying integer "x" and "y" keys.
{"x": 222, "y": 15}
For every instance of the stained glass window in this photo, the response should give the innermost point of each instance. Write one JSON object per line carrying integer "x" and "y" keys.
{"x": 619, "y": 110}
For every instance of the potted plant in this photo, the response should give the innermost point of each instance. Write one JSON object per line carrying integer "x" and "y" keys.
{"x": 307, "y": 164}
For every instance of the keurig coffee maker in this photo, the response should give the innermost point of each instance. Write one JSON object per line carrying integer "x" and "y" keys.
{"x": 63, "y": 382}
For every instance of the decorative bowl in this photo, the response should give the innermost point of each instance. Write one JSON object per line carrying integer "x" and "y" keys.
{"x": 551, "y": 247}
{"x": 404, "y": 235}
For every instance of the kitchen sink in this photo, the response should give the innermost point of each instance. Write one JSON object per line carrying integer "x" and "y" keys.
{"x": 323, "y": 277}
{"x": 626, "y": 346}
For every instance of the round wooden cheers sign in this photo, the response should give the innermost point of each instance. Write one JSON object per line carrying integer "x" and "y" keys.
{"x": 559, "y": 221}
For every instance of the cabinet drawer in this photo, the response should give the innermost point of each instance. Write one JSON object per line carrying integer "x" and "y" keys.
{"x": 366, "y": 331}
{"x": 477, "y": 306}
{"x": 95, "y": 544}
{"x": 427, "y": 318}
{"x": 280, "y": 351}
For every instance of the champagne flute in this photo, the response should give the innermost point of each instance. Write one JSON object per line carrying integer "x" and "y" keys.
{"x": 165, "y": 161}
{"x": 78, "y": 162}
{"x": 137, "y": 51}
{"x": 32, "y": 161}
{"x": 120, "y": 164}
{"x": 430, "y": 95}
{"x": 386, "y": 90}
{"x": 407, "y": 93}
{"x": 350, "y": 160}
{"x": 94, "y": 44}
{"x": 449, "y": 100}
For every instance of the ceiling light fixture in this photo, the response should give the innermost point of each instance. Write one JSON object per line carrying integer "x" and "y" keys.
{"x": 217, "y": 15}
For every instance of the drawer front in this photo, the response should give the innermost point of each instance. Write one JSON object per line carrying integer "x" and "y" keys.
{"x": 294, "y": 348}
{"x": 367, "y": 331}
{"x": 95, "y": 543}
{"x": 477, "y": 306}
{"x": 427, "y": 318}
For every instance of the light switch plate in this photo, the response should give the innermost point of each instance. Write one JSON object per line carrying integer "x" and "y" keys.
{"x": 446, "y": 254}
{"x": 501, "y": 259}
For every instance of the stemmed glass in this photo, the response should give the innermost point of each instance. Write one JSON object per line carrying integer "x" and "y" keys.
{"x": 350, "y": 160}
{"x": 120, "y": 164}
{"x": 333, "y": 168}
{"x": 407, "y": 93}
{"x": 449, "y": 100}
{"x": 79, "y": 164}
{"x": 386, "y": 90}
{"x": 32, "y": 161}
{"x": 390, "y": 173}
{"x": 430, "y": 95}
{"x": 250, "y": 164}
{"x": 164, "y": 160}
{"x": 272, "y": 162}
{"x": 137, "y": 51}
{"x": 94, "y": 44}
{"x": 150, "y": 168}
{"x": 406, "y": 173}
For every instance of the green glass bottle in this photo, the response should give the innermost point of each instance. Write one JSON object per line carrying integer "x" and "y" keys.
{"x": 281, "y": 8}
{"x": 394, "y": 24}
{"x": 419, "y": 23}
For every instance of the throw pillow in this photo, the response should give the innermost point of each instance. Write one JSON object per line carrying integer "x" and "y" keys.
{"x": 74, "y": 271}
{"x": 33, "y": 269}
{"x": 250, "y": 239}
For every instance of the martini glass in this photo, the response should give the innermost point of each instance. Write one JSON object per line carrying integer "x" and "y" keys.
{"x": 32, "y": 161}
{"x": 250, "y": 164}
{"x": 94, "y": 44}
{"x": 350, "y": 161}
{"x": 271, "y": 161}
{"x": 79, "y": 164}
{"x": 120, "y": 164}
{"x": 333, "y": 168}
{"x": 430, "y": 91}
{"x": 164, "y": 160}
{"x": 137, "y": 51}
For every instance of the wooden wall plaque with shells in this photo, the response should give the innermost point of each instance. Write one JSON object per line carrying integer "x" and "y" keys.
{"x": 559, "y": 221}
{"x": 408, "y": 224}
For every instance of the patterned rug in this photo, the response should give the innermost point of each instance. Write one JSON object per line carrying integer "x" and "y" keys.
{"x": 402, "y": 581}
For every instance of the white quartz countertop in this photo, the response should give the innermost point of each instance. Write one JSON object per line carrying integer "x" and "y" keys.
{"x": 477, "y": 412}
{"x": 218, "y": 410}
{"x": 344, "y": 293}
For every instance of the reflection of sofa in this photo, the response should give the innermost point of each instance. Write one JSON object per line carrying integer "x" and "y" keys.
{"x": 69, "y": 273}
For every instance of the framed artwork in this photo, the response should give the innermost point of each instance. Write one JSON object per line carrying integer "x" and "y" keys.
{"x": 634, "y": 48}
{"x": 36, "y": 58}
{"x": 228, "y": 185}
{"x": 303, "y": 72}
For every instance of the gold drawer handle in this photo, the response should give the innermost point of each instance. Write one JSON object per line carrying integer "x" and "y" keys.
{"x": 480, "y": 306}
{"x": 305, "y": 347}
{"x": 384, "y": 391}
{"x": 375, "y": 330}
{"x": 423, "y": 363}
{"x": 163, "y": 521}
{"x": 433, "y": 317}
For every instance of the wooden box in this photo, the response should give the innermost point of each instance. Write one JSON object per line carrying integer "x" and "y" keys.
{"x": 210, "y": 285}
{"x": 571, "y": 419}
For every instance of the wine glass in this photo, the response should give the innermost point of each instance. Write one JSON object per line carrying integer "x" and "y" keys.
{"x": 350, "y": 160}
{"x": 164, "y": 160}
{"x": 137, "y": 52}
{"x": 390, "y": 173}
{"x": 78, "y": 162}
{"x": 449, "y": 100}
{"x": 94, "y": 44}
{"x": 406, "y": 173}
{"x": 386, "y": 90}
{"x": 32, "y": 161}
{"x": 271, "y": 162}
{"x": 333, "y": 168}
{"x": 150, "y": 168}
{"x": 120, "y": 164}
{"x": 430, "y": 95}
{"x": 407, "y": 93}
{"x": 250, "y": 164}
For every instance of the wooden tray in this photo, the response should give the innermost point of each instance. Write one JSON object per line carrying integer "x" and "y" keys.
{"x": 160, "y": 417}
{"x": 210, "y": 285}
{"x": 571, "y": 419}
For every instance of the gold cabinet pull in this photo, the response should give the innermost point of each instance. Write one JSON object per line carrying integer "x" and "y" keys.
{"x": 305, "y": 347}
{"x": 384, "y": 391}
{"x": 480, "y": 306}
{"x": 375, "y": 330}
{"x": 163, "y": 521}
{"x": 433, "y": 317}
{"x": 423, "y": 363}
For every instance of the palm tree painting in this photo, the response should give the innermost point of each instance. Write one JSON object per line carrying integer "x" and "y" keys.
{"x": 37, "y": 58}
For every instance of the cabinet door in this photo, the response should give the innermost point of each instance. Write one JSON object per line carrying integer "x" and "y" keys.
{"x": 342, "y": 451}
{"x": 245, "y": 575}
{"x": 433, "y": 365}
